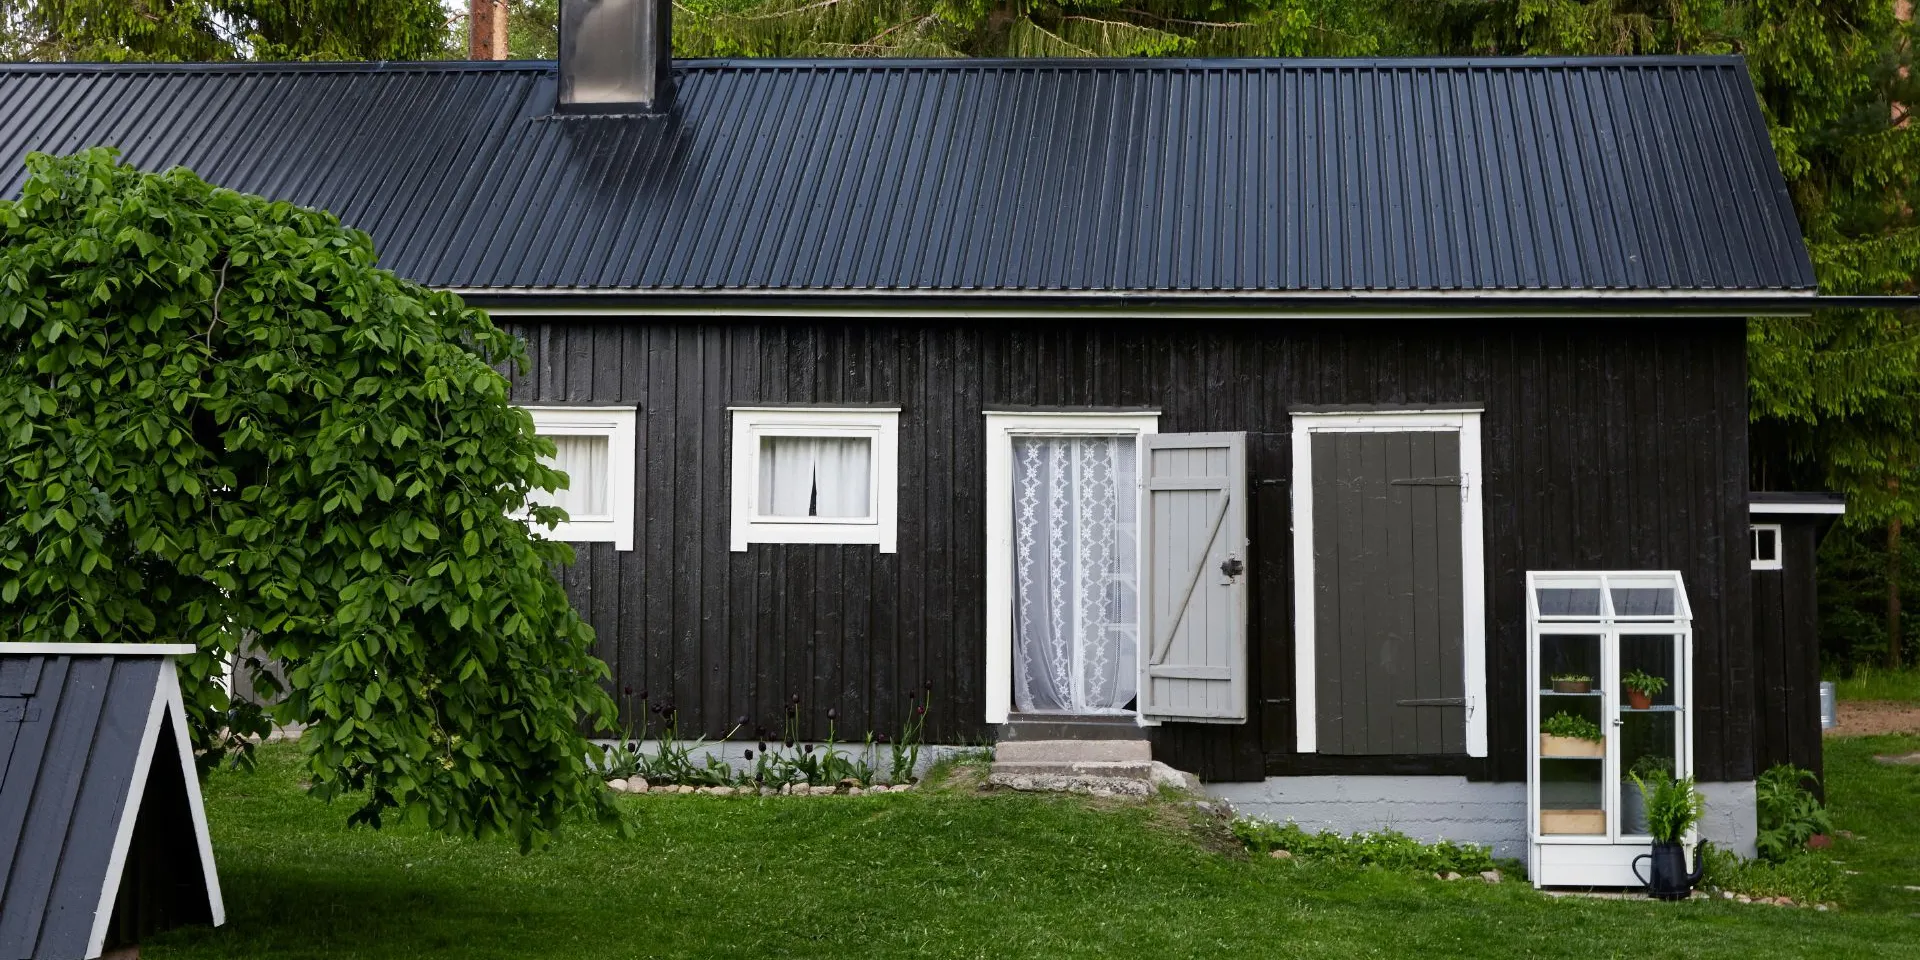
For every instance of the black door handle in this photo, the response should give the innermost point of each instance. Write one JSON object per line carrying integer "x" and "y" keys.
{"x": 1232, "y": 567}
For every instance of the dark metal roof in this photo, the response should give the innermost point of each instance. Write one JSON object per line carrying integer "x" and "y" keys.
{"x": 1780, "y": 501}
{"x": 1247, "y": 178}
{"x": 71, "y": 729}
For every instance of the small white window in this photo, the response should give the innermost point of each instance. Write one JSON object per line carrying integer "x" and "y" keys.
{"x": 815, "y": 475}
{"x": 594, "y": 447}
{"x": 1766, "y": 546}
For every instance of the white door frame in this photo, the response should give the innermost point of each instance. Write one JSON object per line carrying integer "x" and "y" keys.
{"x": 1002, "y": 427}
{"x": 1473, "y": 603}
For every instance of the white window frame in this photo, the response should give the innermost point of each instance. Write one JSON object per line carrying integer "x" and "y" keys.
{"x": 1778, "y": 543}
{"x": 1002, "y": 427}
{"x": 1473, "y": 603}
{"x": 879, "y": 425}
{"x": 619, "y": 425}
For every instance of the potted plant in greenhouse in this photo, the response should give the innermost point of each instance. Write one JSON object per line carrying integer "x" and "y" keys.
{"x": 1633, "y": 807}
{"x": 1673, "y": 808}
{"x": 1567, "y": 735}
{"x": 1641, "y": 687}
{"x": 1572, "y": 683}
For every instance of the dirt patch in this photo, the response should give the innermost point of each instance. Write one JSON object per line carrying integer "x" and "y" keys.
{"x": 1903, "y": 760}
{"x": 1866, "y": 718}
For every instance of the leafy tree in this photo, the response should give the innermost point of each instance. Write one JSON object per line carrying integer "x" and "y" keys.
{"x": 950, "y": 28}
{"x": 998, "y": 28}
{"x": 224, "y": 422}
{"x": 201, "y": 30}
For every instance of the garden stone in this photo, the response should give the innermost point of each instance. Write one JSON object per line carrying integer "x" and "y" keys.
{"x": 1490, "y": 876}
{"x": 1452, "y": 876}
{"x": 1281, "y": 855}
{"x": 723, "y": 791}
{"x": 617, "y": 786}
{"x": 685, "y": 789}
{"x": 854, "y": 791}
{"x": 636, "y": 784}
{"x": 845, "y": 785}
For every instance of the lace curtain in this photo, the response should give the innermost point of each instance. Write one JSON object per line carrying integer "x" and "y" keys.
{"x": 816, "y": 477}
{"x": 1076, "y": 620}
{"x": 585, "y": 460}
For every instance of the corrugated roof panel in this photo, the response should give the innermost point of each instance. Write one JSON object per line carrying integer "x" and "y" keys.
{"x": 1238, "y": 177}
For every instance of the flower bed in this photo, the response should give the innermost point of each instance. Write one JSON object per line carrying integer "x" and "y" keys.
{"x": 777, "y": 765}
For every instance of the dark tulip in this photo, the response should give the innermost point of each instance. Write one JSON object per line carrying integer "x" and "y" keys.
{"x": 740, "y": 722}
{"x": 881, "y": 738}
{"x": 789, "y": 744}
{"x": 929, "y": 686}
{"x": 920, "y": 710}
{"x": 913, "y": 694}
{"x": 833, "y": 714}
{"x": 807, "y": 749}
{"x": 796, "y": 698}
{"x": 643, "y": 694}
{"x": 629, "y": 689}
{"x": 653, "y": 708}
{"x": 763, "y": 746}
{"x": 749, "y": 754}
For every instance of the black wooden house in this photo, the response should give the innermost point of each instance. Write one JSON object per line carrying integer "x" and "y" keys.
{"x": 1236, "y": 398}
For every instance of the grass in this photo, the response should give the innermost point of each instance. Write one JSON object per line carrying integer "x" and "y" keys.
{"x": 1873, "y": 683}
{"x": 1880, "y": 805}
{"x": 954, "y": 874}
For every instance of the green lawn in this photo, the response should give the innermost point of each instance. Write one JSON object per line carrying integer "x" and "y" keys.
{"x": 960, "y": 875}
{"x": 1872, "y": 683}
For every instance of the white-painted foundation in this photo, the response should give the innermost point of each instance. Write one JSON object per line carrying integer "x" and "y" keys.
{"x": 1448, "y": 808}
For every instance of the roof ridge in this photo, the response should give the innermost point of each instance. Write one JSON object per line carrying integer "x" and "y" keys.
{"x": 880, "y": 64}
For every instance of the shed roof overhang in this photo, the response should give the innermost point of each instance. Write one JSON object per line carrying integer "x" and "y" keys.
{"x": 1110, "y": 304}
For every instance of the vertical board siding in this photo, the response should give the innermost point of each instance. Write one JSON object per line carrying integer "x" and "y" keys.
{"x": 1606, "y": 445}
{"x": 1786, "y": 650}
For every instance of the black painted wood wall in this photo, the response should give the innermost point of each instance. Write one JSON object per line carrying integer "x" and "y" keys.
{"x": 1786, "y": 642}
{"x": 1607, "y": 444}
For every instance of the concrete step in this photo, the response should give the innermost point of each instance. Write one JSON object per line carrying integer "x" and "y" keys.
{"x": 1071, "y": 751}
{"x": 1106, "y": 769}
{"x": 1094, "y": 786}
{"x": 1045, "y": 727}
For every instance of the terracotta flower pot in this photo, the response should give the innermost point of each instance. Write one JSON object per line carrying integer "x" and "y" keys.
{"x": 1573, "y": 686}
{"x": 1638, "y": 700}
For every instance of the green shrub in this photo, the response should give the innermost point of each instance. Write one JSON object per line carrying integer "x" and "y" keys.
{"x": 1805, "y": 878}
{"x": 1387, "y": 849}
{"x": 1788, "y": 813}
{"x": 1564, "y": 724}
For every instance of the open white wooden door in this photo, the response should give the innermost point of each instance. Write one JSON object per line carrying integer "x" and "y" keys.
{"x": 1194, "y": 598}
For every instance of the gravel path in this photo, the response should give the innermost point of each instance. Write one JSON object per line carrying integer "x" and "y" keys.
{"x": 1866, "y": 718}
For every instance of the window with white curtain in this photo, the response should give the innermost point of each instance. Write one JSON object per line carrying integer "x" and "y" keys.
{"x": 594, "y": 447}
{"x": 815, "y": 475}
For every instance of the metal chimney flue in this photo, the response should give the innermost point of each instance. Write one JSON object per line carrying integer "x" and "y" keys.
{"x": 616, "y": 56}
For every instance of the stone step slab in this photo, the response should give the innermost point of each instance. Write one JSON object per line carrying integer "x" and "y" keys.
{"x": 1073, "y": 751}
